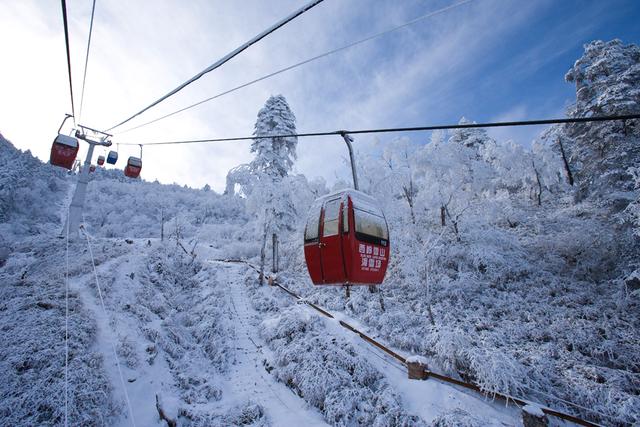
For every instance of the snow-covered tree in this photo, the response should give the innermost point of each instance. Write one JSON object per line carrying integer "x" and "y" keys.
{"x": 607, "y": 79}
{"x": 399, "y": 167}
{"x": 469, "y": 137}
{"x": 241, "y": 176}
{"x": 453, "y": 174}
{"x": 274, "y": 156}
{"x": 270, "y": 198}
{"x": 633, "y": 210}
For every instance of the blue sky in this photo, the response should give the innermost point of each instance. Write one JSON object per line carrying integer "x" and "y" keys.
{"x": 485, "y": 60}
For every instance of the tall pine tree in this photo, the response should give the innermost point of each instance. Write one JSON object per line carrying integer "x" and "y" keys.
{"x": 274, "y": 156}
{"x": 273, "y": 162}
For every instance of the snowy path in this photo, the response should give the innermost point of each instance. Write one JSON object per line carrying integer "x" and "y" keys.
{"x": 427, "y": 399}
{"x": 143, "y": 382}
{"x": 248, "y": 379}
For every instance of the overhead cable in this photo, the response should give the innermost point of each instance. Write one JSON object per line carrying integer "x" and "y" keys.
{"x": 86, "y": 61}
{"x": 66, "y": 39}
{"x": 104, "y": 313}
{"x": 301, "y": 63}
{"x": 225, "y": 58}
{"x": 405, "y": 129}
{"x": 66, "y": 330}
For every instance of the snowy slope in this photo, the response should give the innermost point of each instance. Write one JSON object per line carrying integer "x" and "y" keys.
{"x": 183, "y": 329}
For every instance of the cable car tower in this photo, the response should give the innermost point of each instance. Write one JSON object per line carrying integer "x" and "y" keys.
{"x": 93, "y": 137}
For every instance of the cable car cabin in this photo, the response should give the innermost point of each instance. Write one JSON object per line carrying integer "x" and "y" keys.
{"x": 100, "y": 160}
{"x": 346, "y": 241}
{"x": 64, "y": 151}
{"x": 112, "y": 157}
{"x": 134, "y": 166}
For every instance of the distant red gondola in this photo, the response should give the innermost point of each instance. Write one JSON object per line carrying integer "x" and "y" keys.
{"x": 100, "y": 160}
{"x": 134, "y": 166}
{"x": 346, "y": 241}
{"x": 64, "y": 151}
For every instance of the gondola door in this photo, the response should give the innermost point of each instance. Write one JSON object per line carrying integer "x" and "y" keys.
{"x": 312, "y": 244}
{"x": 331, "y": 244}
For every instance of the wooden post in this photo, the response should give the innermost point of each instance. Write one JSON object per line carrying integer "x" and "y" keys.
{"x": 417, "y": 368}
{"x": 532, "y": 416}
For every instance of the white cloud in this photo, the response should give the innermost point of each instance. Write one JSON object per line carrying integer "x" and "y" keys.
{"x": 143, "y": 49}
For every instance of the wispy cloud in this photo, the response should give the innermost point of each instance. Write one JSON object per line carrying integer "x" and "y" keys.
{"x": 435, "y": 71}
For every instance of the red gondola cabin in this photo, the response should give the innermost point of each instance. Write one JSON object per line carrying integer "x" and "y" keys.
{"x": 100, "y": 160}
{"x": 64, "y": 151}
{"x": 346, "y": 241}
{"x": 134, "y": 166}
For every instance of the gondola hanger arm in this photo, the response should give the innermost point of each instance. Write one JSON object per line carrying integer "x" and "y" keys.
{"x": 348, "y": 139}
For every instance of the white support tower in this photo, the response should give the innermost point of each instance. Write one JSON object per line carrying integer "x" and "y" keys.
{"x": 77, "y": 202}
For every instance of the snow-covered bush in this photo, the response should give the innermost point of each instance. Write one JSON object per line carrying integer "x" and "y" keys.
{"x": 32, "y": 357}
{"x": 328, "y": 373}
{"x": 32, "y": 194}
{"x": 457, "y": 418}
{"x": 134, "y": 208}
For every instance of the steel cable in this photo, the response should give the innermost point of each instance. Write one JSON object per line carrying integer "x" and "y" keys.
{"x": 226, "y": 58}
{"x": 86, "y": 60}
{"x": 66, "y": 38}
{"x": 104, "y": 312}
{"x": 66, "y": 331}
{"x": 301, "y": 63}
{"x": 405, "y": 129}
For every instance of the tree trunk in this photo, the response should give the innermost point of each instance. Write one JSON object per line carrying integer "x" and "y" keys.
{"x": 539, "y": 195}
{"x": 408, "y": 195}
{"x": 566, "y": 162}
{"x": 455, "y": 228}
{"x": 263, "y": 252}
{"x": 274, "y": 255}
{"x": 162, "y": 224}
{"x": 443, "y": 218}
{"x": 163, "y": 416}
{"x": 454, "y": 222}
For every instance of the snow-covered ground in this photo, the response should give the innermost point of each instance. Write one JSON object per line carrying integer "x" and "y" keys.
{"x": 187, "y": 331}
{"x": 216, "y": 348}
